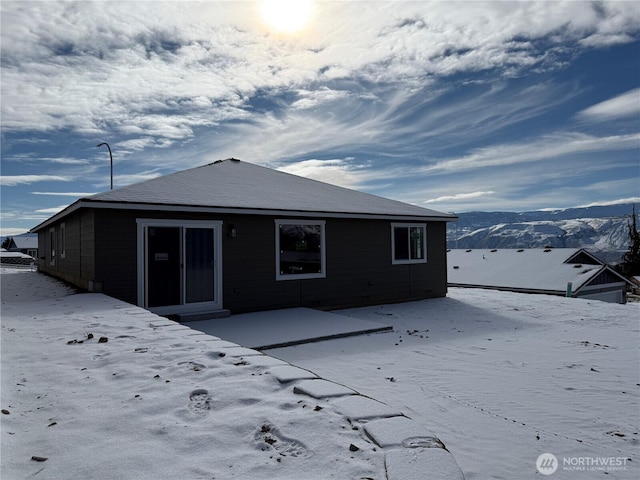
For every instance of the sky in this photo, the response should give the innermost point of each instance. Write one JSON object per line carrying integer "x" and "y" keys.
{"x": 453, "y": 106}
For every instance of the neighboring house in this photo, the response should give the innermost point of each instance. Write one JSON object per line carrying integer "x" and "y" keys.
{"x": 16, "y": 259}
{"x": 27, "y": 244}
{"x": 235, "y": 236}
{"x": 554, "y": 271}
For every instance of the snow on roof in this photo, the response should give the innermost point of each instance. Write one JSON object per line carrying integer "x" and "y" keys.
{"x": 5, "y": 254}
{"x": 521, "y": 269}
{"x": 26, "y": 241}
{"x": 241, "y": 185}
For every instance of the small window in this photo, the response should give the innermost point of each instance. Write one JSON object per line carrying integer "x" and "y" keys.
{"x": 52, "y": 246}
{"x": 300, "y": 249}
{"x": 62, "y": 240}
{"x": 409, "y": 243}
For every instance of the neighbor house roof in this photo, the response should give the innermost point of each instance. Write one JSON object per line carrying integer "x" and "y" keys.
{"x": 231, "y": 185}
{"x": 25, "y": 241}
{"x": 547, "y": 270}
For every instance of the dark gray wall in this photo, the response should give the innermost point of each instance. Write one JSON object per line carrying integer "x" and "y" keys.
{"x": 358, "y": 261}
{"x": 77, "y": 266}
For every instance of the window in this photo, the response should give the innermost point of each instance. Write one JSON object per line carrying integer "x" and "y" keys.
{"x": 300, "y": 249}
{"x": 52, "y": 246}
{"x": 62, "y": 240}
{"x": 409, "y": 242}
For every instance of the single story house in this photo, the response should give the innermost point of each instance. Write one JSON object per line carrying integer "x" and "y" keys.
{"x": 27, "y": 244}
{"x": 553, "y": 271}
{"x": 234, "y": 236}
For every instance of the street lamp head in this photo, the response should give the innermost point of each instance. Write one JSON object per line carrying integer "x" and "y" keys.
{"x": 100, "y": 144}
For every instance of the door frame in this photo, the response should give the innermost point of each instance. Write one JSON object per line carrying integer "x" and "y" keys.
{"x": 143, "y": 224}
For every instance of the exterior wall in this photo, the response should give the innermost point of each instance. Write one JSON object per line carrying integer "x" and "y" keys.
{"x": 612, "y": 292}
{"x": 359, "y": 269}
{"x": 116, "y": 254}
{"x": 74, "y": 264}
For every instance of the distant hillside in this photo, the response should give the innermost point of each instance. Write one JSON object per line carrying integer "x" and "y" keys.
{"x": 602, "y": 230}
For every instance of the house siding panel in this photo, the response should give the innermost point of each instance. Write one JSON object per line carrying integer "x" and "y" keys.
{"x": 116, "y": 253}
{"x": 77, "y": 264}
{"x": 359, "y": 269}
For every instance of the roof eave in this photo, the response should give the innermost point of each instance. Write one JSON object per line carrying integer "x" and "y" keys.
{"x": 88, "y": 203}
{"x": 54, "y": 218}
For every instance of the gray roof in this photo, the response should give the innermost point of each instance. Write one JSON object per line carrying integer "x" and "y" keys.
{"x": 235, "y": 186}
{"x": 26, "y": 241}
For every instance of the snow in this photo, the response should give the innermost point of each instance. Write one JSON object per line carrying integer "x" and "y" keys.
{"x": 234, "y": 184}
{"x": 501, "y": 377}
{"x": 498, "y": 377}
{"x": 5, "y": 254}
{"x": 295, "y": 325}
{"x": 153, "y": 400}
{"x": 533, "y": 269}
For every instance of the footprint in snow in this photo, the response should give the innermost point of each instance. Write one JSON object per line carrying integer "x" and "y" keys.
{"x": 199, "y": 402}
{"x": 269, "y": 437}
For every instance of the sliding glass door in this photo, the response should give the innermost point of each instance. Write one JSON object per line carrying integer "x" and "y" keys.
{"x": 179, "y": 270}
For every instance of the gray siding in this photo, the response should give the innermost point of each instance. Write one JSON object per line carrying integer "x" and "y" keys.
{"x": 359, "y": 268}
{"x": 116, "y": 254}
{"x": 77, "y": 265}
{"x": 102, "y": 254}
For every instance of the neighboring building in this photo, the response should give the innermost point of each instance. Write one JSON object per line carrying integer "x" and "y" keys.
{"x": 554, "y": 271}
{"x": 236, "y": 236}
{"x": 27, "y": 244}
{"x": 16, "y": 259}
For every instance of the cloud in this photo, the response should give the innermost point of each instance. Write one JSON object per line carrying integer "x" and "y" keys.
{"x": 13, "y": 180}
{"x": 546, "y": 148}
{"x": 312, "y": 98}
{"x": 52, "y": 211}
{"x": 167, "y": 70}
{"x": 11, "y": 231}
{"x": 624, "y": 105}
{"x": 620, "y": 201}
{"x": 65, "y": 194}
{"x": 32, "y": 158}
{"x": 459, "y": 196}
{"x": 421, "y": 93}
{"x": 341, "y": 172}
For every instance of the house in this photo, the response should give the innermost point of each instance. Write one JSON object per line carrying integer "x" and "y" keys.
{"x": 554, "y": 271}
{"x": 27, "y": 244}
{"x": 234, "y": 236}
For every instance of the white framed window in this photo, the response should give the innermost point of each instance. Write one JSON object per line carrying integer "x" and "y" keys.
{"x": 300, "y": 249}
{"x": 408, "y": 243}
{"x": 63, "y": 242}
{"x": 52, "y": 246}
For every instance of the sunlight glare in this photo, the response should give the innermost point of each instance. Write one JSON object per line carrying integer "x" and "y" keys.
{"x": 286, "y": 16}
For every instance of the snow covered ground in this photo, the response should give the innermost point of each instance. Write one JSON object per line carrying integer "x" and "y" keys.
{"x": 500, "y": 378}
{"x": 93, "y": 388}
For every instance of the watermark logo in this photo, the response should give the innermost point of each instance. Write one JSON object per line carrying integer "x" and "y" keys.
{"x": 547, "y": 464}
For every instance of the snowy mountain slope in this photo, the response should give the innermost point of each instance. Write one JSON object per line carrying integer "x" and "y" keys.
{"x": 605, "y": 232}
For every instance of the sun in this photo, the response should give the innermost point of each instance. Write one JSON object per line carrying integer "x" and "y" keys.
{"x": 286, "y": 16}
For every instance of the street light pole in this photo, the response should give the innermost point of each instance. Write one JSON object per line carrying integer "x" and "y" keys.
{"x": 110, "y": 158}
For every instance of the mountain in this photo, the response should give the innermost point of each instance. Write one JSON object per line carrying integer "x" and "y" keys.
{"x": 602, "y": 230}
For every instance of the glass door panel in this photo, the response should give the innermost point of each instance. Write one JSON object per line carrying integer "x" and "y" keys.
{"x": 163, "y": 263}
{"x": 199, "y": 265}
